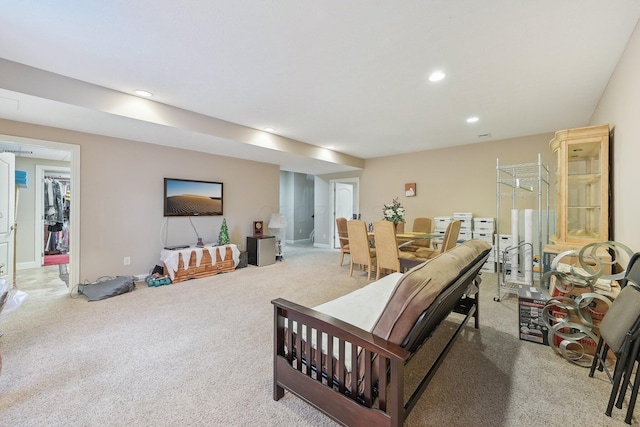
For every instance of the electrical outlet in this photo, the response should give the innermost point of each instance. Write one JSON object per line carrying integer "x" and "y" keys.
{"x": 127, "y": 260}
{"x": 300, "y": 232}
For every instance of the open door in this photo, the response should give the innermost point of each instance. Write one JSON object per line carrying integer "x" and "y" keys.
{"x": 344, "y": 203}
{"x": 7, "y": 214}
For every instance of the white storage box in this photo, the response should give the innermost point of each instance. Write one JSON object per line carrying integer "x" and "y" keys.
{"x": 466, "y": 220}
{"x": 504, "y": 241}
{"x": 465, "y": 235}
{"x": 488, "y": 224}
{"x": 461, "y": 215}
{"x": 486, "y": 236}
{"x": 465, "y": 224}
{"x": 441, "y": 222}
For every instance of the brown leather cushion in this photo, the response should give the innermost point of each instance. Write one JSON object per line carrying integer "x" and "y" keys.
{"x": 419, "y": 287}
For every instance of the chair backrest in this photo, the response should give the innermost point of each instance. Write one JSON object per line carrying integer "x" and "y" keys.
{"x": 632, "y": 272}
{"x": 399, "y": 227}
{"x": 358, "y": 242}
{"x": 343, "y": 234}
{"x": 622, "y": 319}
{"x": 451, "y": 236}
{"x": 387, "y": 254}
{"x": 422, "y": 225}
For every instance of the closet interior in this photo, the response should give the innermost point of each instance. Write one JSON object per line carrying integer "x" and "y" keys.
{"x": 57, "y": 199}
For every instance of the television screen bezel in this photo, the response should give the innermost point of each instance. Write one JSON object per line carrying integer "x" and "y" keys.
{"x": 167, "y": 180}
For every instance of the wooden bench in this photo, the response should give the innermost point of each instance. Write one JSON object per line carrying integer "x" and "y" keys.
{"x": 354, "y": 373}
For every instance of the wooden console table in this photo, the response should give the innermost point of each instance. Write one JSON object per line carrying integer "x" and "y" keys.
{"x": 201, "y": 262}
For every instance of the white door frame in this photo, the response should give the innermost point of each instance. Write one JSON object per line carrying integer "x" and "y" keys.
{"x": 74, "y": 207}
{"x": 7, "y": 218}
{"x": 332, "y": 192}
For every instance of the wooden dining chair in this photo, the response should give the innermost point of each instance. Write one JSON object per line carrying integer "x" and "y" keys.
{"x": 449, "y": 241}
{"x": 343, "y": 237}
{"x": 360, "y": 251}
{"x": 420, "y": 225}
{"x": 387, "y": 253}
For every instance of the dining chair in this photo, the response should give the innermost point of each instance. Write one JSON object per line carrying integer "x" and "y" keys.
{"x": 620, "y": 333}
{"x": 420, "y": 225}
{"x": 387, "y": 253}
{"x": 449, "y": 241}
{"x": 343, "y": 237}
{"x": 360, "y": 251}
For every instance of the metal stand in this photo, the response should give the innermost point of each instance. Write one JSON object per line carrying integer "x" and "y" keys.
{"x": 525, "y": 180}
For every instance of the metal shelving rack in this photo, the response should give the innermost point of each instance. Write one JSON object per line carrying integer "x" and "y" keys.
{"x": 525, "y": 180}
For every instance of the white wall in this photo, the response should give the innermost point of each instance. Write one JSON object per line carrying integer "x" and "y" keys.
{"x": 620, "y": 107}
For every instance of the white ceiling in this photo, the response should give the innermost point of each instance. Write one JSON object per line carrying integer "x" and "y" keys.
{"x": 351, "y": 75}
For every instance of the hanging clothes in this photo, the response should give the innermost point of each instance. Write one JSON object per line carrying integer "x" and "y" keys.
{"x": 53, "y": 202}
{"x": 57, "y": 200}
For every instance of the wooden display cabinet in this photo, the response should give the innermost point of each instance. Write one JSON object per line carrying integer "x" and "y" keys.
{"x": 583, "y": 185}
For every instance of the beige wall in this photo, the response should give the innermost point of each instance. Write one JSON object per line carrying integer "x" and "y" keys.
{"x": 620, "y": 107}
{"x": 122, "y": 197}
{"x": 448, "y": 180}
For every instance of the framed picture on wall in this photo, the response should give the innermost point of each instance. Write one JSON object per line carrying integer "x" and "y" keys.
{"x": 410, "y": 189}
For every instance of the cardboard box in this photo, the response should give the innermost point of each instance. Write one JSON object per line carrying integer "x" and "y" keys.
{"x": 596, "y": 309}
{"x": 530, "y": 304}
{"x": 550, "y": 252}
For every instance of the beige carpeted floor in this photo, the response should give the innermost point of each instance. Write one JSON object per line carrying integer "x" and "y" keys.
{"x": 199, "y": 353}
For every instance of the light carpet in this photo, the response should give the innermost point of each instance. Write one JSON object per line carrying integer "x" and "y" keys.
{"x": 199, "y": 353}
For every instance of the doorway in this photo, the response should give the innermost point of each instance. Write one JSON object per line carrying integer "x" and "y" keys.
{"x": 53, "y": 197}
{"x": 30, "y": 242}
{"x": 344, "y": 203}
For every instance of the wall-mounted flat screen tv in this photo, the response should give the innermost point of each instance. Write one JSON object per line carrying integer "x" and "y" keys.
{"x": 185, "y": 197}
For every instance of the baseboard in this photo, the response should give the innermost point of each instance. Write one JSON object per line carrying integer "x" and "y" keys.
{"x": 27, "y": 265}
{"x": 321, "y": 245}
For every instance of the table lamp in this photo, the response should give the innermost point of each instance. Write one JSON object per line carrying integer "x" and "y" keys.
{"x": 278, "y": 224}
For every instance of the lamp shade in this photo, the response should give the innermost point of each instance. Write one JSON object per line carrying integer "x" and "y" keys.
{"x": 277, "y": 220}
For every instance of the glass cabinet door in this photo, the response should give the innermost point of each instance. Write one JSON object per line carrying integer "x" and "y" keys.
{"x": 583, "y": 190}
{"x": 583, "y": 185}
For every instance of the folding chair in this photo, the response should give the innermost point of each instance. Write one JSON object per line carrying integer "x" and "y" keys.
{"x": 620, "y": 333}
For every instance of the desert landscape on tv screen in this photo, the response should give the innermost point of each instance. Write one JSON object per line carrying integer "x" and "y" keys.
{"x": 193, "y": 198}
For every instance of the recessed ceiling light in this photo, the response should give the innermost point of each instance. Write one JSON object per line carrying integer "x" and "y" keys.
{"x": 472, "y": 119}
{"x": 269, "y": 129}
{"x": 436, "y": 76}
{"x": 144, "y": 93}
